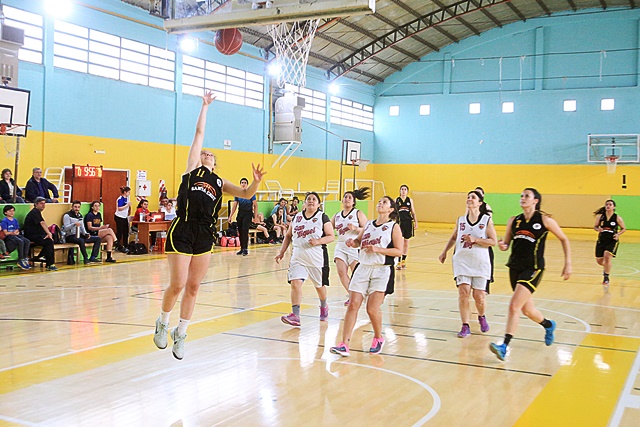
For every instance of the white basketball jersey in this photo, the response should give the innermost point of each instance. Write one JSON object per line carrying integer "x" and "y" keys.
{"x": 342, "y": 225}
{"x": 305, "y": 229}
{"x": 377, "y": 235}
{"x": 472, "y": 260}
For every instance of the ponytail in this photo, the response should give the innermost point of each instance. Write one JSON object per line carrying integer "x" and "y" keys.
{"x": 483, "y": 204}
{"x": 358, "y": 194}
{"x": 537, "y": 195}
{"x": 124, "y": 189}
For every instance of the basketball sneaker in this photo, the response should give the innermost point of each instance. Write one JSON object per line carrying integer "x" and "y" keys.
{"x": 465, "y": 331}
{"x": 178, "y": 344}
{"x": 160, "y": 334}
{"x": 605, "y": 279}
{"x": 291, "y": 319}
{"x": 346, "y": 303}
{"x": 376, "y": 345}
{"x": 24, "y": 264}
{"x": 548, "y": 334}
{"x": 342, "y": 349}
{"x": 52, "y": 267}
{"x": 500, "y": 350}
{"x": 324, "y": 313}
{"x": 484, "y": 326}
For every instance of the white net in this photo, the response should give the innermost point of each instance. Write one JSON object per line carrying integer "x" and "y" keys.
{"x": 292, "y": 43}
{"x": 612, "y": 162}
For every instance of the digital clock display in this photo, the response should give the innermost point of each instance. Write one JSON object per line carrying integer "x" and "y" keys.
{"x": 88, "y": 172}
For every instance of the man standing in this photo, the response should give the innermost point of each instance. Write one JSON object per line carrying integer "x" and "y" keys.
{"x": 247, "y": 209}
{"x": 36, "y": 230}
{"x": 37, "y": 186}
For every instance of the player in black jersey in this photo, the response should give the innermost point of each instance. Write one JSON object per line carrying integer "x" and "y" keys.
{"x": 609, "y": 226}
{"x": 191, "y": 236}
{"x": 407, "y": 220}
{"x": 528, "y": 231}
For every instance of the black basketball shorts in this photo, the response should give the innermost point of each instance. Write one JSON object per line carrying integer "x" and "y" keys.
{"x": 190, "y": 238}
{"x": 609, "y": 246}
{"x": 530, "y": 279}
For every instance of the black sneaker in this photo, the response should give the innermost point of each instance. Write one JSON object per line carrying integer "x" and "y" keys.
{"x": 605, "y": 280}
{"x": 240, "y": 252}
{"x": 245, "y": 252}
{"x": 109, "y": 260}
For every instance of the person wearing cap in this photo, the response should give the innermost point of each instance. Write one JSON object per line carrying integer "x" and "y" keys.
{"x": 13, "y": 239}
{"x": 37, "y": 231}
{"x": 37, "y": 186}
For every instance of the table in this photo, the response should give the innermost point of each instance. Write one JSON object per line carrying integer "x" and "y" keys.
{"x": 145, "y": 227}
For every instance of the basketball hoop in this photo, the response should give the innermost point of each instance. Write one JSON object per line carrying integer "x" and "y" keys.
{"x": 292, "y": 43}
{"x": 10, "y": 143}
{"x": 361, "y": 164}
{"x": 612, "y": 162}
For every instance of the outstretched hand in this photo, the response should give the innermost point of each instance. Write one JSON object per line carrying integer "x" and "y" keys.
{"x": 258, "y": 172}
{"x": 208, "y": 98}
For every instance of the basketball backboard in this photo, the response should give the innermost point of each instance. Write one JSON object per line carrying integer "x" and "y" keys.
{"x": 14, "y": 109}
{"x": 351, "y": 152}
{"x": 626, "y": 147}
{"x": 199, "y": 15}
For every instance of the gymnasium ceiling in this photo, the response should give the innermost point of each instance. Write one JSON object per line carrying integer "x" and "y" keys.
{"x": 370, "y": 48}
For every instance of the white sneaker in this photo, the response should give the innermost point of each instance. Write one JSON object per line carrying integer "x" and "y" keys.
{"x": 178, "y": 344}
{"x": 160, "y": 335}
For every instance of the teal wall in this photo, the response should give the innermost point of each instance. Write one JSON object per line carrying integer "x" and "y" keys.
{"x": 536, "y": 64}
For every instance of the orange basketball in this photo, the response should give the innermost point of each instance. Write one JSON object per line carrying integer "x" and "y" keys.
{"x": 228, "y": 41}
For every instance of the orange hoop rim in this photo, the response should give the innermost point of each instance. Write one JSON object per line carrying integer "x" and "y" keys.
{"x": 8, "y": 127}
{"x": 611, "y": 159}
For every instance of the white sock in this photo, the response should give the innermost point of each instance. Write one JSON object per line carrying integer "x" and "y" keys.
{"x": 164, "y": 317}
{"x": 182, "y": 326}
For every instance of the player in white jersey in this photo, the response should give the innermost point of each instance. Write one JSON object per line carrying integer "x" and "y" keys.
{"x": 348, "y": 223}
{"x": 473, "y": 235}
{"x": 310, "y": 231}
{"x": 380, "y": 243}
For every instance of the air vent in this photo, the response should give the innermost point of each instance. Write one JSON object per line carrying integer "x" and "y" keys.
{"x": 12, "y": 35}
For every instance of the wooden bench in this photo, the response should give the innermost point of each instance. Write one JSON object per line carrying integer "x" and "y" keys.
{"x": 253, "y": 235}
{"x": 64, "y": 248}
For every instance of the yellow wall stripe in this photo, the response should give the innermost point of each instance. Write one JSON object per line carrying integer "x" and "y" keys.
{"x": 586, "y": 391}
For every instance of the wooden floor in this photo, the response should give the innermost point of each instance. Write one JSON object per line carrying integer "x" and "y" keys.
{"x": 78, "y": 350}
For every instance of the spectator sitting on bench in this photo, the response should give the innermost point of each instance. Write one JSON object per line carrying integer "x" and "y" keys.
{"x": 13, "y": 238}
{"x": 7, "y": 184}
{"x": 36, "y": 230}
{"x": 74, "y": 232}
{"x": 259, "y": 224}
{"x": 37, "y": 186}
{"x": 93, "y": 224}
{"x": 3, "y": 248}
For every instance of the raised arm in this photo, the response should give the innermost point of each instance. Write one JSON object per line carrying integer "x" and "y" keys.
{"x": 193, "y": 160}
{"x": 250, "y": 191}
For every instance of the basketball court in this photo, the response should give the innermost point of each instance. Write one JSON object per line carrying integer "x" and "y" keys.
{"x": 80, "y": 344}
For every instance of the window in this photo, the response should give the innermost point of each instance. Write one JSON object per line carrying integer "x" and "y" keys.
{"x": 394, "y": 110}
{"x": 315, "y": 102}
{"x": 570, "y": 105}
{"x": 352, "y": 114}
{"x": 31, "y": 23}
{"x": 474, "y": 108}
{"x": 607, "y": 104}
{"x": 90, "y": 51}
{"x": 508, "y": 107}
{"x": 230, "y": 84}
{"x": 425, "y": 110}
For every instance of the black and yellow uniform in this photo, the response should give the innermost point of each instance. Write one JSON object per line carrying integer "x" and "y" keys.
{"x": 606, "y": 242}
{"x": 193, "y": 229}
{"x": 526, "y": 262}
{"x": 404, "y": 217}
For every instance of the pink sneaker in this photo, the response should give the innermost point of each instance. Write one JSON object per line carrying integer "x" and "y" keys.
{"x": 342, "y": 349}
{"x": 346, "y": 303}
{"x": 376, "y": 345}
{"x": 324, "y": 313}
{"x": 484, "y": 326}
{"x": 291, "y": 319}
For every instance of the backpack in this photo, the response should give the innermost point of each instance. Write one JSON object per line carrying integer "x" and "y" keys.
{"x": 137, "y": 249}
{"x": 56, "y": 234}
{"x": 229, "y": 241}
